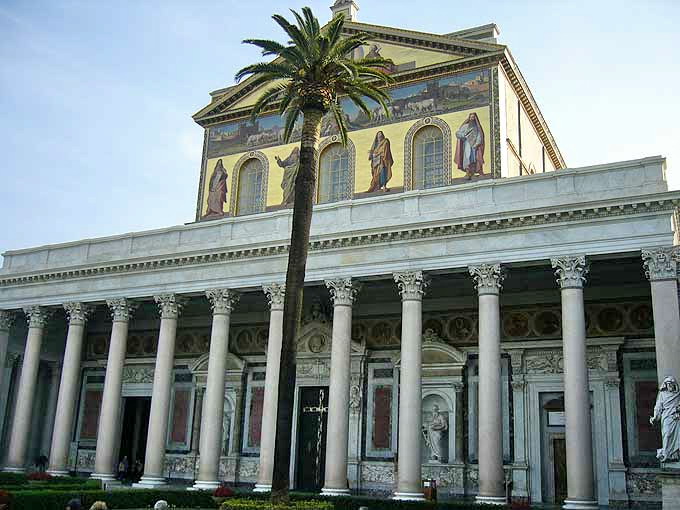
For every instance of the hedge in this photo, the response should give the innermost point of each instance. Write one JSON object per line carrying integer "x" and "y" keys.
{"x": 257, "y": 504}
{"x": 83, "y": 484}
{"x": 12, "y": 478}
{"x": 50, "y": 500}
{"x": 355, "y": 502}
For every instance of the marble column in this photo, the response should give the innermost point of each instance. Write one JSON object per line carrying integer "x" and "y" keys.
{"x": 170, "y": 307}
{"x": 488, "y": 280}
{"x": 275, "y": 294}
{"x": 51, "y": 411}
{"x": 18, "y": 443}
{"x": 105, "y": 463}
{"x": 459, "y": 452}
{"x": 571, "y": 275}
{"x": 520, "y": 485}
{"x": 68, "y": 389}
{"x": 6, "y": 321}
{"x": 198, "y": 416}
{"x": 210, "y": 449}
{"x": 661, "y": 269}
{"x": 409, "y": 470}
{"x": 343, "y": 294}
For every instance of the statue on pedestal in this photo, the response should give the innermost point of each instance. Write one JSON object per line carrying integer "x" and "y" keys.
{"x": 435, "y": 434}
{"x": 667, "y": 411}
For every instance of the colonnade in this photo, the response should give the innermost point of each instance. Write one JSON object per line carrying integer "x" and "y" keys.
{"x": 661, "y": 269}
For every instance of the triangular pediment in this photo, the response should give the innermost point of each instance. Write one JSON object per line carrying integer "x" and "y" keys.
{"x": 410, "y": 51}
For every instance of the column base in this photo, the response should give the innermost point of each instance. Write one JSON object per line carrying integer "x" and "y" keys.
{"x": 334, "y": 492}
{"x": 150, "y": 482}
{"x": 9, "y": 469}
{"x": 409, "y": 496}
{"x": 580, "y": 504}
{"x": 57, "y": 472}
{"x": 104, "y": 477}
{"x": 490, "y": 500}
{"x": 262, "y": 487}
{"x": 200, "y": 485}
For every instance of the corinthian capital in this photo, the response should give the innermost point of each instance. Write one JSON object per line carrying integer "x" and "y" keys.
{"x": 276, "y": 292}
{"x": 6, "y": 320}
{"x": 661, "y": 263}
{"x": 342, "y": 291}
{"x": 169, "y": 305}
{"x": 488, "y": 278}
{"x": 77, "y": 312}
{"x": 411, "y": 285}
{"x": 223, "y": 301}
{"x": 37, "y": 316}
{"x": 121, "y": 309}
{"x": 571, "y": 271}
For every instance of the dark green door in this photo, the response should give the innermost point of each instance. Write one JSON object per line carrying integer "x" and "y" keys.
{"x": 311, "y": 454}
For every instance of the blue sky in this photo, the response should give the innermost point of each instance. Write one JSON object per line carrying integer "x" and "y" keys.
{"x": 96, "y": 97}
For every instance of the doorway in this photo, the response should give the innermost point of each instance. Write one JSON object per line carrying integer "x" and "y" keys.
{"x": 553, "y": 445}
{"x": 136, "y": 411}
{"x": 311, "y": 451}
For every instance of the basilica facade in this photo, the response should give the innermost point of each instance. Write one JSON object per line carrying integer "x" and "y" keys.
{"x": 476, "y": 313}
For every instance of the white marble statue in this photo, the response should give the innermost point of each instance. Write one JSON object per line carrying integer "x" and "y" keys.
{"x": 435, "y": 434}
{"x": 667, "y": 411}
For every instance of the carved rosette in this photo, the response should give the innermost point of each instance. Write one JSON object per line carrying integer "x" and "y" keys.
{"x": 169, "y": 305}
{"x": 6, "y": 320}
{"x": 275, "y": 292}
{"x": 342, "y": 291}
{"x": 77, "y": 313}
{"x": 570, "y": 271}
{"x": 411, "y": 285}
{"x": 488, "y": 278}
{"x": 121, "y": 309}
{"x": 222, "y": 301}
{"x": 661, "y": 263}
{"x": 37, "y": 316}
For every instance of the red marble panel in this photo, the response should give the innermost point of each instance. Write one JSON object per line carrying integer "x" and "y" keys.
{"x": 649, "y": 437}
{"x": 255, "y": 418}
{"x": 180, "y": 416}
{"x": 382, "y": 418}
{"x": 93, "y": 403}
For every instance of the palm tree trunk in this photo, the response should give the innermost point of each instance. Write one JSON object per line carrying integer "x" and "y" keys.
{"x": 292, "y": 308}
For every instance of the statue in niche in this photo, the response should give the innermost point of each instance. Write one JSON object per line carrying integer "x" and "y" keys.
{"x": 470, "y": 147}
{"x": 217, "y": 191}
{"x": 667, "y": 411}
{"x": 290, "y": 167}
{"x": 435, "y": 433}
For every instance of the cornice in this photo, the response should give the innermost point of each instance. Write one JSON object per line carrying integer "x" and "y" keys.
{"x": 520, "y": 85}
{"x": 587, "y": 211}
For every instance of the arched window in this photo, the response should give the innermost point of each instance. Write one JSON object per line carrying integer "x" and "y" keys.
{"x": 251, "y": 188}
{"x": 429, "y": 170}
{"x": 335, "y": 182}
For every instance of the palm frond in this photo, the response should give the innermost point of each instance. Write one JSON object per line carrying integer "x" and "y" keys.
{"x": 291, "y": 118}
{"x": 267, "y": 47}
{"x": 341, "y": 122}
{"x": 268, "y": 97}
{"x": 282, "y": 69}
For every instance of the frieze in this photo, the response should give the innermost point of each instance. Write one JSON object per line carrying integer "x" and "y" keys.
{"x": 85, "y": 460}
{"x": 377, "y": 473}
{"x": 138, "y": 375}
{"x": 517, "y": 324}
{"x": 248, "y": 469}
{"x": 552, "y": 362}
{"x": 644, "y": 484}
{"x": 183, "y": 465}
{"x": 446, "y": 476}
{"x": 440, "y": 231}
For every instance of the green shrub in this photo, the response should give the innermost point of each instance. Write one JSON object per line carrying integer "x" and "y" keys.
{"x": 257, "y": 504}
{"x": 84, "y": 484}
{"x": 118, "y": 499}
{"x": 12, "y": 478}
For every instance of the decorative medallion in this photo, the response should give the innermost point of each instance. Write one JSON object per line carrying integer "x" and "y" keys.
{"x": 641, "y": 317}
{"x": 610, "y": 319}
{"x": 547, "y": 323}
{"x": 460, "y": 328}
{"x": 516, "y": 324}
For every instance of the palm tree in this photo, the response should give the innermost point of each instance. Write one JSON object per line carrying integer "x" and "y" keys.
{"x": 309, "y": 75}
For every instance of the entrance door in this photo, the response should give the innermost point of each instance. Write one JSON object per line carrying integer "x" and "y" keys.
{"x": 311, "y": 454}
{"x": 559, "y": 449}
{"x": 136, "y": 412}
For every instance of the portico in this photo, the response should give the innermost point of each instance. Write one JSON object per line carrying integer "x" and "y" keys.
{"x": 492, "y": 322}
